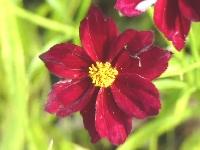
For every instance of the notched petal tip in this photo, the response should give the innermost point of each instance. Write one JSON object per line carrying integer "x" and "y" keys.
{"x": 178, "y": 42}
{"x": 44, "y": 57}
{"x": 66, "y": 98}
{"x": 51, "y": 107}
{"x": 41, "y": 56}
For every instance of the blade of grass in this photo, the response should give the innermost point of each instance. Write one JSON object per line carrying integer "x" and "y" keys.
{"x": 165, "y": 84}
{"x": 181, "y": 71}
{"x": 153, "y": 143}
{"x": 44, "y": 22}
{"x": 15, "y": 123}
{"x": 195, "y": 48}
{"x": 83, "y": 10}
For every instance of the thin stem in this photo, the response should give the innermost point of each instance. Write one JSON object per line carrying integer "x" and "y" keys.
{"x": 44, "y": 22}
{"x": 182, "y": 72}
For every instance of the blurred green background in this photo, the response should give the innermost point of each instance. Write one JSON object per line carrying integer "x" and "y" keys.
{"x": 30, "y": 27}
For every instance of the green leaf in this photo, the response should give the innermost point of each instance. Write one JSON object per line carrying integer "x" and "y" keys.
{"x": 17, "y": 86}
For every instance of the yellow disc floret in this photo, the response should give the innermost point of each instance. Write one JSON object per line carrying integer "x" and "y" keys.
{"x": 102, "y": 74}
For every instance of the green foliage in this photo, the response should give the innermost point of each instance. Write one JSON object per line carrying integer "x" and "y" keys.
{"x": 28, "y": 30}
{"x": 192, "y": 142}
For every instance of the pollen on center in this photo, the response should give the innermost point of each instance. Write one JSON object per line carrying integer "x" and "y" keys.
{"x": 102, "y": 74}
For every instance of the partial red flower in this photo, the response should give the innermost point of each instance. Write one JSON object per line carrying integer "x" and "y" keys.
{"x": 133, "y": 7}
{"x": 172, "y": 17}
{"x": 108, "y": 79}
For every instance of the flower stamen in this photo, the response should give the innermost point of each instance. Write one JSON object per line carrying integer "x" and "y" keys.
{"x": 102, "y": 74}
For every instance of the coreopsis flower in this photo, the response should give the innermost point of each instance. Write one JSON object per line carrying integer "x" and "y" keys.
{"x": 172, "y": 17}
{"x": 108, "y": 79}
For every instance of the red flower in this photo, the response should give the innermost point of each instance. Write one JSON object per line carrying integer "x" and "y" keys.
{"x": 172, "y": 17}
{"x": 133, "y": 7}
{"x": 110, "y": 77}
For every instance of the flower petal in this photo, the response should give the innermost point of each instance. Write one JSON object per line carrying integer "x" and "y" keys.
{"x": 136, "y": 96}
{"x": 133, "y": 7}
{"x": 96, "y": 32}
{"x": 88, "y": 114}
{"x": 110, "y": 121}
{"x": 130, "y": 40}
{"x": 150, "y": 63}
{"x": 66, "y": 60}
{"x": 190, "y": 9}
{"x": 128, "y": 7}
{"x": 68, "y": 97}
{"x": 144, "y": 5}
{"x": 171, "y": 22}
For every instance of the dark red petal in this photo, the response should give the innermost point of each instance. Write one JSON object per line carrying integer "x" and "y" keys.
{"x": 66, "y": 60}
{"x": 150, "y": 63}
{"x": 88, "y": 114}
{"x": 110, "y": 121}
{"x": 136, "y": 96}
{"x": 128, "y": 7}
{"x": 190, "y": 9}
{"x": 131, "y": 40}
{"x": 170, "y": 20}
{"x": 68, "y": 97}
{"x": 96, "y": 32}
{"x": 141, "y": 41}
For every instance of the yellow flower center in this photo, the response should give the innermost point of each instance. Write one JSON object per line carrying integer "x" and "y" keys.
{"x": 102, "y": 74}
